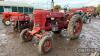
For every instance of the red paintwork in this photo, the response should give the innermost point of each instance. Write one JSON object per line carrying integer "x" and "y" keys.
{"x": 36, "y": 29}
{"x": 79, "y": 9}
{"x": 40, "y": 17}
{"x": 15, "y": 16}
{"x": 7, "y": 15}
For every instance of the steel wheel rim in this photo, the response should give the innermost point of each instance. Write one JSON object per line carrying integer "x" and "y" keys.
{"x": 7, "y": 22}
{"x": 26, "y": 35}
{"x": 47, "y": 45}
{"x": 78, "y": 27}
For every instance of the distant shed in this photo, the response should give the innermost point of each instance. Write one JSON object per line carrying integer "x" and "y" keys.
{"x": 6, "y": 6}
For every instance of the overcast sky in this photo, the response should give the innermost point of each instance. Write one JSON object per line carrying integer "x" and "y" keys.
{"x": 71, "y": 3}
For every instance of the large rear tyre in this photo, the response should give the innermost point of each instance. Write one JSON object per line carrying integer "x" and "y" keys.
{"x": 24, "y": 35}
{"x": 45, "y": 45}
{"x": 74, "y": 27}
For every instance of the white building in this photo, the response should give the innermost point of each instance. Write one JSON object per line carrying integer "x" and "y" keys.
{"x": 6, "y": 6}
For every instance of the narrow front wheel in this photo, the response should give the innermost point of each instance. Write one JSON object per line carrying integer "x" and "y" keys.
{"x": 45, "y": 45}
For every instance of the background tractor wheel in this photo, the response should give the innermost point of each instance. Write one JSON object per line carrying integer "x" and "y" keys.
{"x": 45, "y": 45}
{"x": 7, "y": 23}
{"x": 74, "y": 27}
{"x": 24, "y": 35}
{"x": 85, "y": 19}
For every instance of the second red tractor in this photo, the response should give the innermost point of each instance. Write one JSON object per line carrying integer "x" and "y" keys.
{"x": 17, "y": 20}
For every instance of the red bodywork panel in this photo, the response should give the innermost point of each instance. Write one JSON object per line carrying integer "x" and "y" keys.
{"x": 15, "y": 16}
{"x": 41, "y": 17}
{"x": 36, "y": 29}
{"x": 6, "y": 16}
{"x": 79, "y": 9}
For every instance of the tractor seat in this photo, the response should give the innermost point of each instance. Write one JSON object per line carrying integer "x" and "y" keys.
{"x": 35, "y": 30}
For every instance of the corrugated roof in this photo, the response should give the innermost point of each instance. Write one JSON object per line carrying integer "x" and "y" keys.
{"x": 19, "y": 4}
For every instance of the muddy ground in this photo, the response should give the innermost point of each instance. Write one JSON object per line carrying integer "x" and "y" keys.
{"x": 89, "y": 41}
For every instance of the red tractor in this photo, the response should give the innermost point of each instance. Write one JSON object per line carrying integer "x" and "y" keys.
{"x": 18, "y": 20}
{"x": 46, "y": 23}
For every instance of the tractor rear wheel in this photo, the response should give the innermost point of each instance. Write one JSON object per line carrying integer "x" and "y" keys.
{"x": 45, "y": 45}
{"x": 24, "y": 35}
{"x": 74, "y": 27}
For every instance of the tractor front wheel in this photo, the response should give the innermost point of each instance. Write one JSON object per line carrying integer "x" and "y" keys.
{"x": 74, "y": 27}
{"x": 7, "y": 23}
{"x": 45, "y": 45}
{"x": 24, "y": 35}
